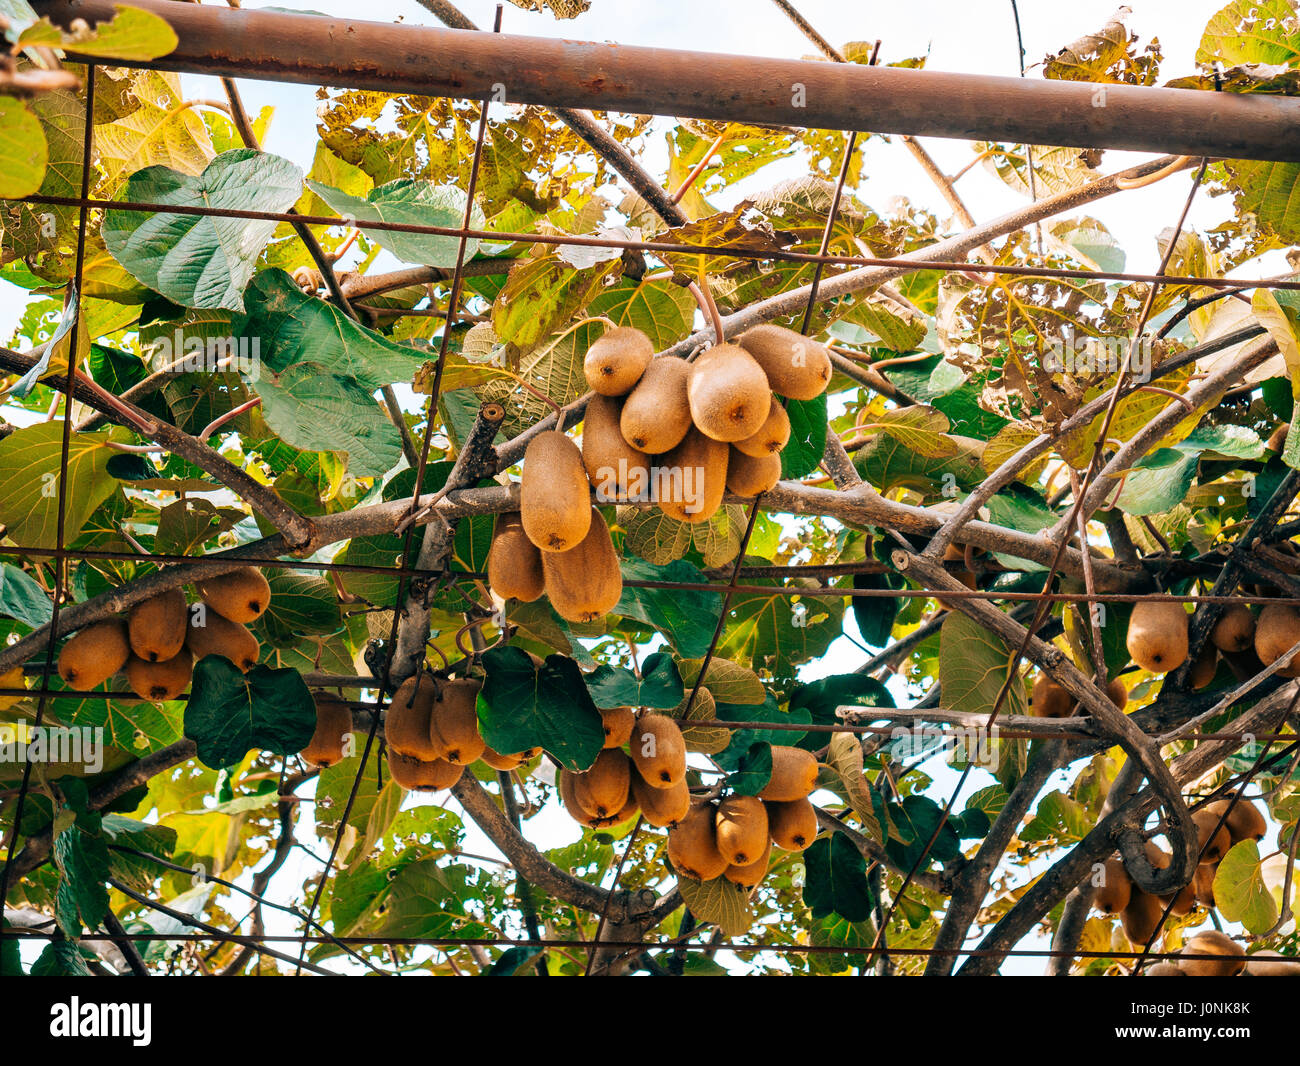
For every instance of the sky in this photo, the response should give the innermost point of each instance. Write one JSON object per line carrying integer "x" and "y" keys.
{"x": 974, "y": 36}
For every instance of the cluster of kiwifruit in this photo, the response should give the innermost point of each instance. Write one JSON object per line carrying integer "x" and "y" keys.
{"x": 731, "y": 838}
{"x": 716, "y": 418}
{"x": 160, "y": 639}
{"x": 430, "y": 731}
{"x": 1140, "y": 913}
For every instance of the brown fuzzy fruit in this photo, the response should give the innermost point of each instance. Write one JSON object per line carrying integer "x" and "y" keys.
{"x": 792, "y": 825}
{"x": 795, "y": 366}
{"x": 741, "y": 829}
{"x": 615, "y": 362}
{"x": 618, "y": 723}
{"x": 453, "y": 722}
{"x": 554, "y": 496}
{"x": 569, "y": 797}
{"x": 615, "y": 468}
{"x": 241, "y": 595}
{"x": 657, "y": 413}
{"x": 1235, "y": 629}
{"x": 514, "y": 565}
{"x": 1157, "y": 635}
{"x": 1214, "y": 839}
{"x": 749, "y": 875}
{"x": 218, "y": 635}
{"x": 1115, "y": 890}
{"x": 406, "y": 722}
{"x": 419, "y": 775}
{"x": 585, "y": 582}
{"x": 693, "y": 845}
{"x": 692, "y": 478}
{"x": 747, "y": 476}
{"x": 1272, "y": 964}
{"x": 658, "y": 751}
{"x": 1163, "y": 969}
{"x": 1141, "y": 917}
{"x": 1278, "y": 630}
{"x": 729, "y": 394}
{"x": 663, "y": 808}
{"x": 771, "y": 437}
{"x": 160, "y": 681}
{"x": 1049, "y": 700}
{"x": 1204, "y": 668}
{"x": 333, "y": 726}
{"x": 1182, "y": 901}
{"x": 507, "y": 762}
{"x": 156, "y": 626}
{"x": 603, "y": 789}
{"x": 1117, "y": 693}
{"x": 94, "y": 654}
{"x": 1244, "y": 822}
{"x": 1228, "y": 961}
{"x": 1203, "y": 882}
{"x": 794, "y": 775}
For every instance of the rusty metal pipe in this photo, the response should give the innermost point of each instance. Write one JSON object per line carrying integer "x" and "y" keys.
{"x": 323, "y": 50}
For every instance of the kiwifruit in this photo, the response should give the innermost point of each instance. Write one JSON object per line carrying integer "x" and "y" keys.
{"x": 1117, "y": 693}
{"x": 729, "y": 394}
{"x": 568, "y": 796}
{"x": 453, "y": 721}
{"x": 795, "y": 366}
{"x": 658, "y": 751}
{"x": 792, "y": 825}
{"x": 1213, "y": 839}
{"x": 1156, "y": 855}
{"x": 1049, "y": 700}
{"x": 747, "y": 476}
{"x": 1230, "y": 960}
{"x": 156, "y": 626}
{"x": 1277, "y": 630}
{"x": 614, "y": 466}
{"x": 966, "y": 578}
{"x": 406, "y": 722}
{"x": 241, "y": 595}
{"x": 662, "y": 807}
{"x": 1115, "y": 890}
{"x": 771, "y": 436}
{"x": 94, "y": 654}
{"x": 514, "y": 565}
{"x": 1244, "y": 822}
{"x": 657, "y": 413}
{"x": 1235, "y": 629}
{"x": 741, "y": 829}
{"x": 498, "y": 761}
{"x": 794, "y": 775}
{"x": 1157, "y": 635}
{"x": 1203, "y": 882}
{"x": 1204, "y": 667}
{"x": 1141, "y": 917}
{"x": 1272, "y": 964}
{"x": 333, "y": 724}
{"x": 603, "y": 789}
{"x": 422, "y": 775}
{"x": 750, "y": 874}
{"x": 218, "y": 635}
{"x": 693, "y": 845}
{"x": 1182, "y": 901}
{"x": 585, "y": 582}
{"x": 618, "y": 722}
{"x": 692, "y": 478}
{"x": 615, "y": 362}
{"x": 630, "y": 810}
{"x": 1163, "y": 969}
{"x": 160, "y": 681}
{"x": 554, "y": 497}
{"x": 1277, "y": 439}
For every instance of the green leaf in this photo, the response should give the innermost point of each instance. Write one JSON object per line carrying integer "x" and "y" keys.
{"x": 1158, "y": 483}
{"x": 832, "y": 931}
{"x": 801, "y": 456}
{"x": 844, "y": 756}
{"x": 914, "y": 822}
{"x": 29, "y": 482}
{"x": 743, "y": 739}
{"x": 82, "y": 862}
{"x": 1057, "y": 817}
{"x": 686, "y": 618}
{"x": 130, "y": 34}
{"x": 974, "y": 663}
{"x": 921, "y": 429}
{"x": 21, "y": 598}
{"x": 719, "y": 902}
{"x": 23, "y": 151}
{"x": 753, "y": 770}
{"x": 1250, "y": 31}
{"x": 778, "y": 633}
{"x": 875, "y": 614}
{"x": 230, "y": 713}
{"x": 836, "y": 879}
{"x": 301, "y": 604}
{"x": 61, "y": 958}
{"x": 659, "y": 686}
{"x": 511, "y": 961}
{"x": 411, "y": 203}
{"x": 1240, "y": 893}
{"x": 822, "y": 697}
{"x": 523, "y": 706}
{"x": 886, "y": 464}
{"x": 660, "y": 309}
{"x": 728, "y": 681}
{"x": 201, "y": 261}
